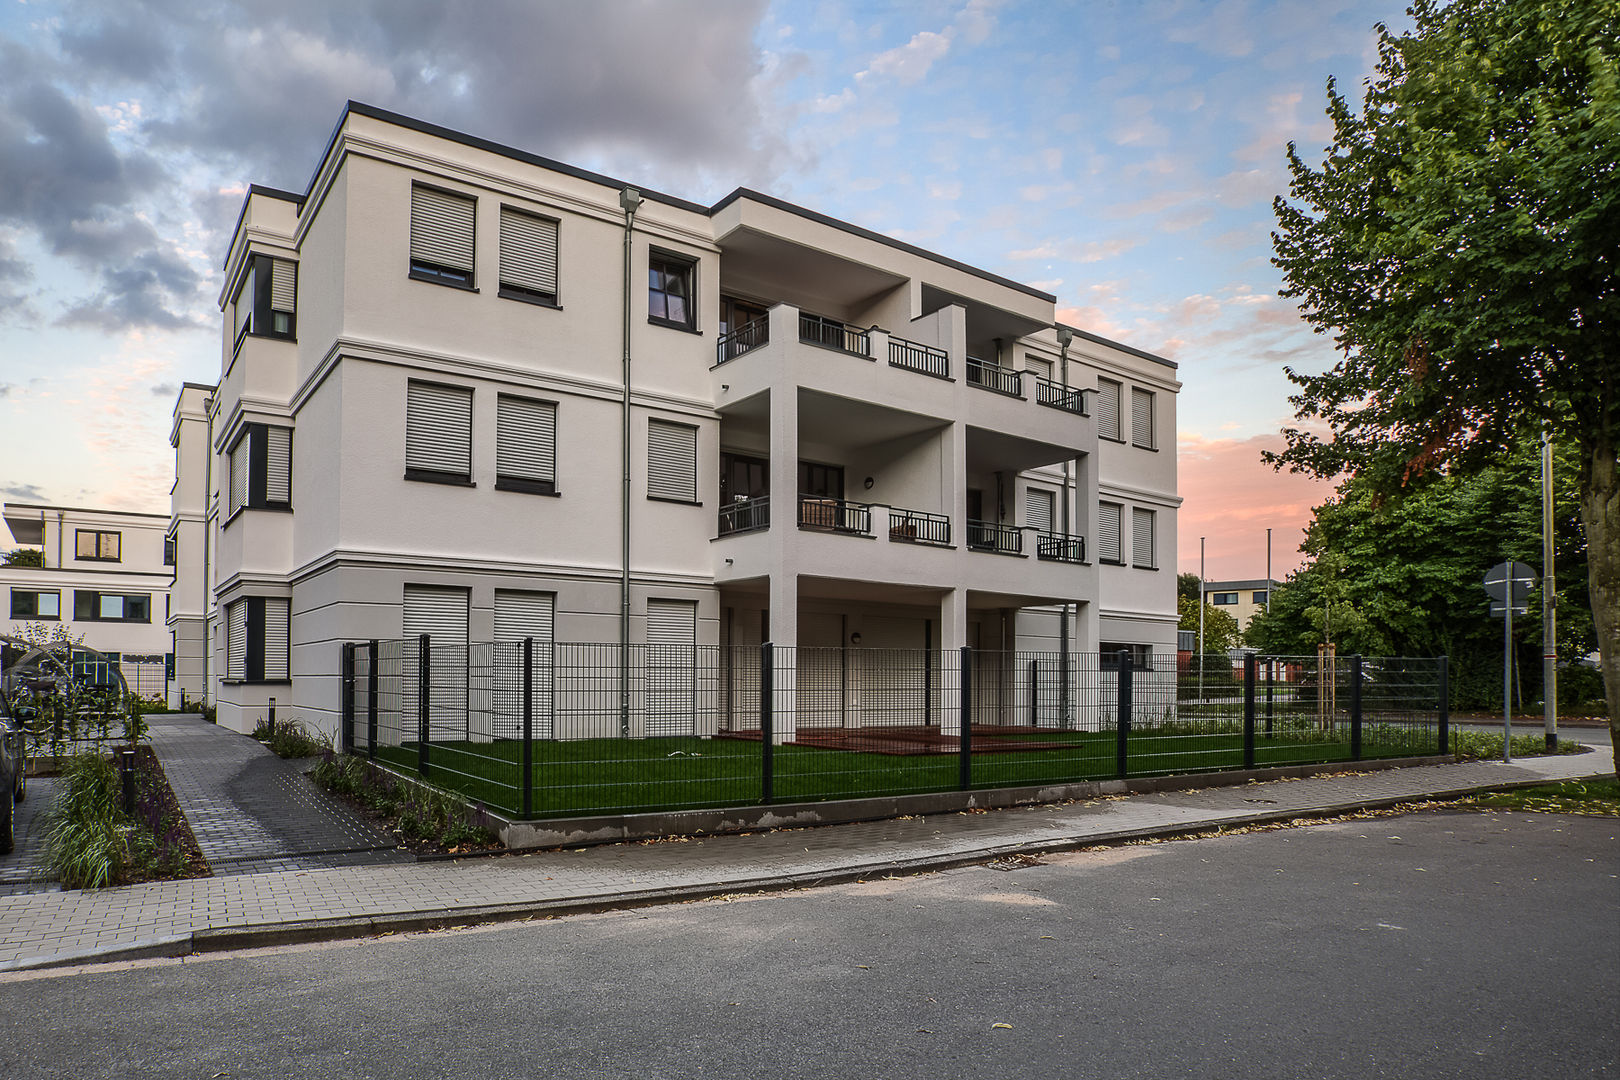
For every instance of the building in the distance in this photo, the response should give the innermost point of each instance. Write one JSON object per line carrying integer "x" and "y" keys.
{"x": 474, "y": 393}
{"x": 104, "y": 583}
{"x": 1240, "y": 599}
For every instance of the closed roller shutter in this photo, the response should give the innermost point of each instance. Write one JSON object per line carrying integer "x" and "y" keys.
{"x": 1142, "y": 537}
{"x": 278, "y": 465}
{"x": 526, "y": 441}
{"x": 244, "y": 305}
{"x": 236, "y": 626}
{"x": 438, "y": 429}
{"x": 671, "y": 669}
{"x": 528, "y": 252}
{"x": 276, "y": 626}
{"x": 1142, "y": 418}
{"x": 671, "y": 461}
{"x": 1108, "y": 408}
{"x": 1039, "y": 367}
{"x": 1038, "y": 509}
{"x": 442, "y": 229}
{"x": 283, "y": 286}
{"x": 520, "y": 615}
{"x": 440, "y": 613}
{"x": 1108, "y": 537}
{"x": 239, "y": 474}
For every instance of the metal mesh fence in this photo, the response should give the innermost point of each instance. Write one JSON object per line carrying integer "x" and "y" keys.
{"x": 543, "y": 729}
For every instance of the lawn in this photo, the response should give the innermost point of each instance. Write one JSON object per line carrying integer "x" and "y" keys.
{"x": 600, "y": 776}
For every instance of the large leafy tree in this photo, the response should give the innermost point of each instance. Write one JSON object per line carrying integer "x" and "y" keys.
{"x": 1460, "y": 242}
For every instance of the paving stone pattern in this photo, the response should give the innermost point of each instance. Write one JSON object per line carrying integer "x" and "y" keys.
{"x": 253, "y": 812}
{"x": 162, "y": 917}
{"x": 23, "y": 871}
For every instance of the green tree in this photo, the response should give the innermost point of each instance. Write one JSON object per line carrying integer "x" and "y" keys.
{"x": 1187, "y": 587}
{"x": 25, "y": 557}
{"x": 1459, "y": 242}
{"x": 1220, "y": 629}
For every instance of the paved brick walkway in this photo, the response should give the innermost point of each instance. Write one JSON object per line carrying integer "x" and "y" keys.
{"x": 22, "y": 871}
{"x": 175, "y": 918}
{"x": 252, "y": 812}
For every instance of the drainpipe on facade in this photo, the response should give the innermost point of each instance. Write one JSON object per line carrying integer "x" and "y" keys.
{"x": 1065, "y": 339}
{"x": 208, "y": 536}
{"x": 60, "y": 527}
{"x": 629, "y": 199}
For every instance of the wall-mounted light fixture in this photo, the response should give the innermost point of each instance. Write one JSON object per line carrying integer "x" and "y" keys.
{"x": 855, "y": 638}
{"x": 868, "y": 483}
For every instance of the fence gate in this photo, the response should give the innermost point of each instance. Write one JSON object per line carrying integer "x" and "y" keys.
{"x": 670, "y": 676}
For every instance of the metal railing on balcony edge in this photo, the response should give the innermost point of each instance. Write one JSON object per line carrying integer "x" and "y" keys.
{"x": 834, "y": 334}
{"x": 748, "y": 336}
{"x": 994, "y": 377}
{"x": 993, "y": 536}
{"x": 746, "y": 515}
{"x": 1054, "y": 548}
{"x": 918, "y": 526}
{"x": 834, "y": 515}
{"x": 920, "y": 358}
{"x": 1066, "y": 398}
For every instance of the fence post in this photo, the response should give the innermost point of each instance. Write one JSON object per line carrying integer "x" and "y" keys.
{"x": 1248, "y": 709}
{"x": 1122, "y": 721}
{"x": 424, "y": 687}
{"x": 1355, "y": 707}
{"x": 767, "y": 691}
{"x": 346, "y": 731}
{"x": 964, "y": 770}
{"x": 1271, "y": 680}
{"x": 528, "y": 728}
{"x": 371, "y": 699}
{"x": 1034, "y": 693}
{"x": 1445, "y": 704}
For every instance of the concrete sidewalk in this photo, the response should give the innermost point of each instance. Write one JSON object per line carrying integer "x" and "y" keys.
{"x": 179, "y": 917}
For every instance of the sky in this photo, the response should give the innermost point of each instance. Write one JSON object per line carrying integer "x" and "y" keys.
{"x": 1121, "y": 155}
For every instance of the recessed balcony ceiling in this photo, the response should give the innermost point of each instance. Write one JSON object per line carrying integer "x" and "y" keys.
{"x": 770, "y": 268}
{"x": 986, "y": 322}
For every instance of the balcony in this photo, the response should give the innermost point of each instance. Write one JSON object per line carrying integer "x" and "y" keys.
{"x": 834, "y": 515}
{"x": 747, "y": 336}
{"x": 832, "y": 334}
{"x": 919, "y": 527}
{"x": 1066, "y": 398}
{"x": 994, "y": 377}
{"x": 745, "y": 515}
{"x": 994, "y": 537}
{"x": 1050, "y": 547}
{"x": 923, "y": 359}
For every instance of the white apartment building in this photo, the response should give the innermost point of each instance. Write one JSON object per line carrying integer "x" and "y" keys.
{"x": 471, "y": 392}
{"x": 105, "y": 582}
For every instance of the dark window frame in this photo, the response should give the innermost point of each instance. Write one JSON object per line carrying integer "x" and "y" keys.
{"x": 684, "y": 267}
{"x": 1215, "y": 598}
{"x": 261, "y": 313}
{"x": 89, "y": 600}
{"x": 257, "y": 439}
{"x": 118, "y": 543}
{"x": 253, "y": 647}
{"x": 438, "y": 273}
{"x": 518, "y": 292}
{"x": 35, "y": 594}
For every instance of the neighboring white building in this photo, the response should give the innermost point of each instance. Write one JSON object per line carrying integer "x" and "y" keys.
{"x": 105, "y": 582}
{"x": 422, "y": 425}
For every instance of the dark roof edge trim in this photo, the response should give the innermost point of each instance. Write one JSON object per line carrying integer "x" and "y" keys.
{"x": 1121, "y": 346}
{"x": 259, "y": 189}
{"x": 889, "y": 241}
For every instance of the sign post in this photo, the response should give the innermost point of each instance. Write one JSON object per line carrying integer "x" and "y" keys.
{"x": 1508, "y": 584}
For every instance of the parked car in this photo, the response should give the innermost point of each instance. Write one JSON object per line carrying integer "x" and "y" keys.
{"x": 13, "y": 776}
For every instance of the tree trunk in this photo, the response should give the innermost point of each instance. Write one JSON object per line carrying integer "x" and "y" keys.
{"x": 1600, "y": 514}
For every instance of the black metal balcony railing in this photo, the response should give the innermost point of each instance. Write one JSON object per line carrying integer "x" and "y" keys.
{"x": 992, "y": 536}
{"x": 919, "y": 527}
{"x": 834, "y": 515}
{"x": 1053, "y": 548}
{"x": 749, "y": 335}
{"x": 745, "y": 515}
{"x": 834, "y": 334}
{"x": 1066, "y": 398}
{"x": 988, "y": 376}
{"x": 917, "y": 357}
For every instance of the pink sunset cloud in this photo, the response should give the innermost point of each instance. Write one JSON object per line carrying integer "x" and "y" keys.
{"x": 1231, "y": 499}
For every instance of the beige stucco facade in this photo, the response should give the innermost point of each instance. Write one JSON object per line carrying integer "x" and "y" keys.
{"x": 935, "y": 394}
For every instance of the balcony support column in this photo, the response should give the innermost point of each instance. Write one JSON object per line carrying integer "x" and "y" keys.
{"x": 784, "y": 548}
{"x": 952, "y": 636}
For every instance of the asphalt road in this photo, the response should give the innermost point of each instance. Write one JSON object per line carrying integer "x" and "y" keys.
{"x": 1438, "y": 944}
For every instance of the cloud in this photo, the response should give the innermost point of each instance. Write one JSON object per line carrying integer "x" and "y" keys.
{"x": 22, "y": 493}
{"x": 907, "y": 64}
{"x": 164, "y": 390}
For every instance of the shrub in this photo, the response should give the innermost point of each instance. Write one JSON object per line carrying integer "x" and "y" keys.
{"x": 291, "y": 739}
{"x": 91, "y": 844}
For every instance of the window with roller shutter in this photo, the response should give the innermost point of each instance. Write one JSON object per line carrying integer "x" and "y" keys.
{"x": 442, "y": 229}
{"x": 1108, "y": 400}
{"x": 257, "y": 640}
{"x": 671, "y": 461}
{"x": 671, "y": 668}
{"x": 519, "y": 616}
{"x": 1142, "y": 418}
{"x": 438, "y": 433}
{"x": 528, "y": 257}
{"x": 1040, "y": 509}
{"x": 260, "y": 469}
{"x": 267, "y": 301}
{"x": 1142, "y": 547}
{"x": 525, "y": 445}
{"x": 1108, "y": 533}
{"x": 440, "y": 613}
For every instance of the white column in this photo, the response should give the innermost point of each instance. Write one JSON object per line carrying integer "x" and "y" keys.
{"x": 784, "y": 534}
{"x": 952, "y": 636}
